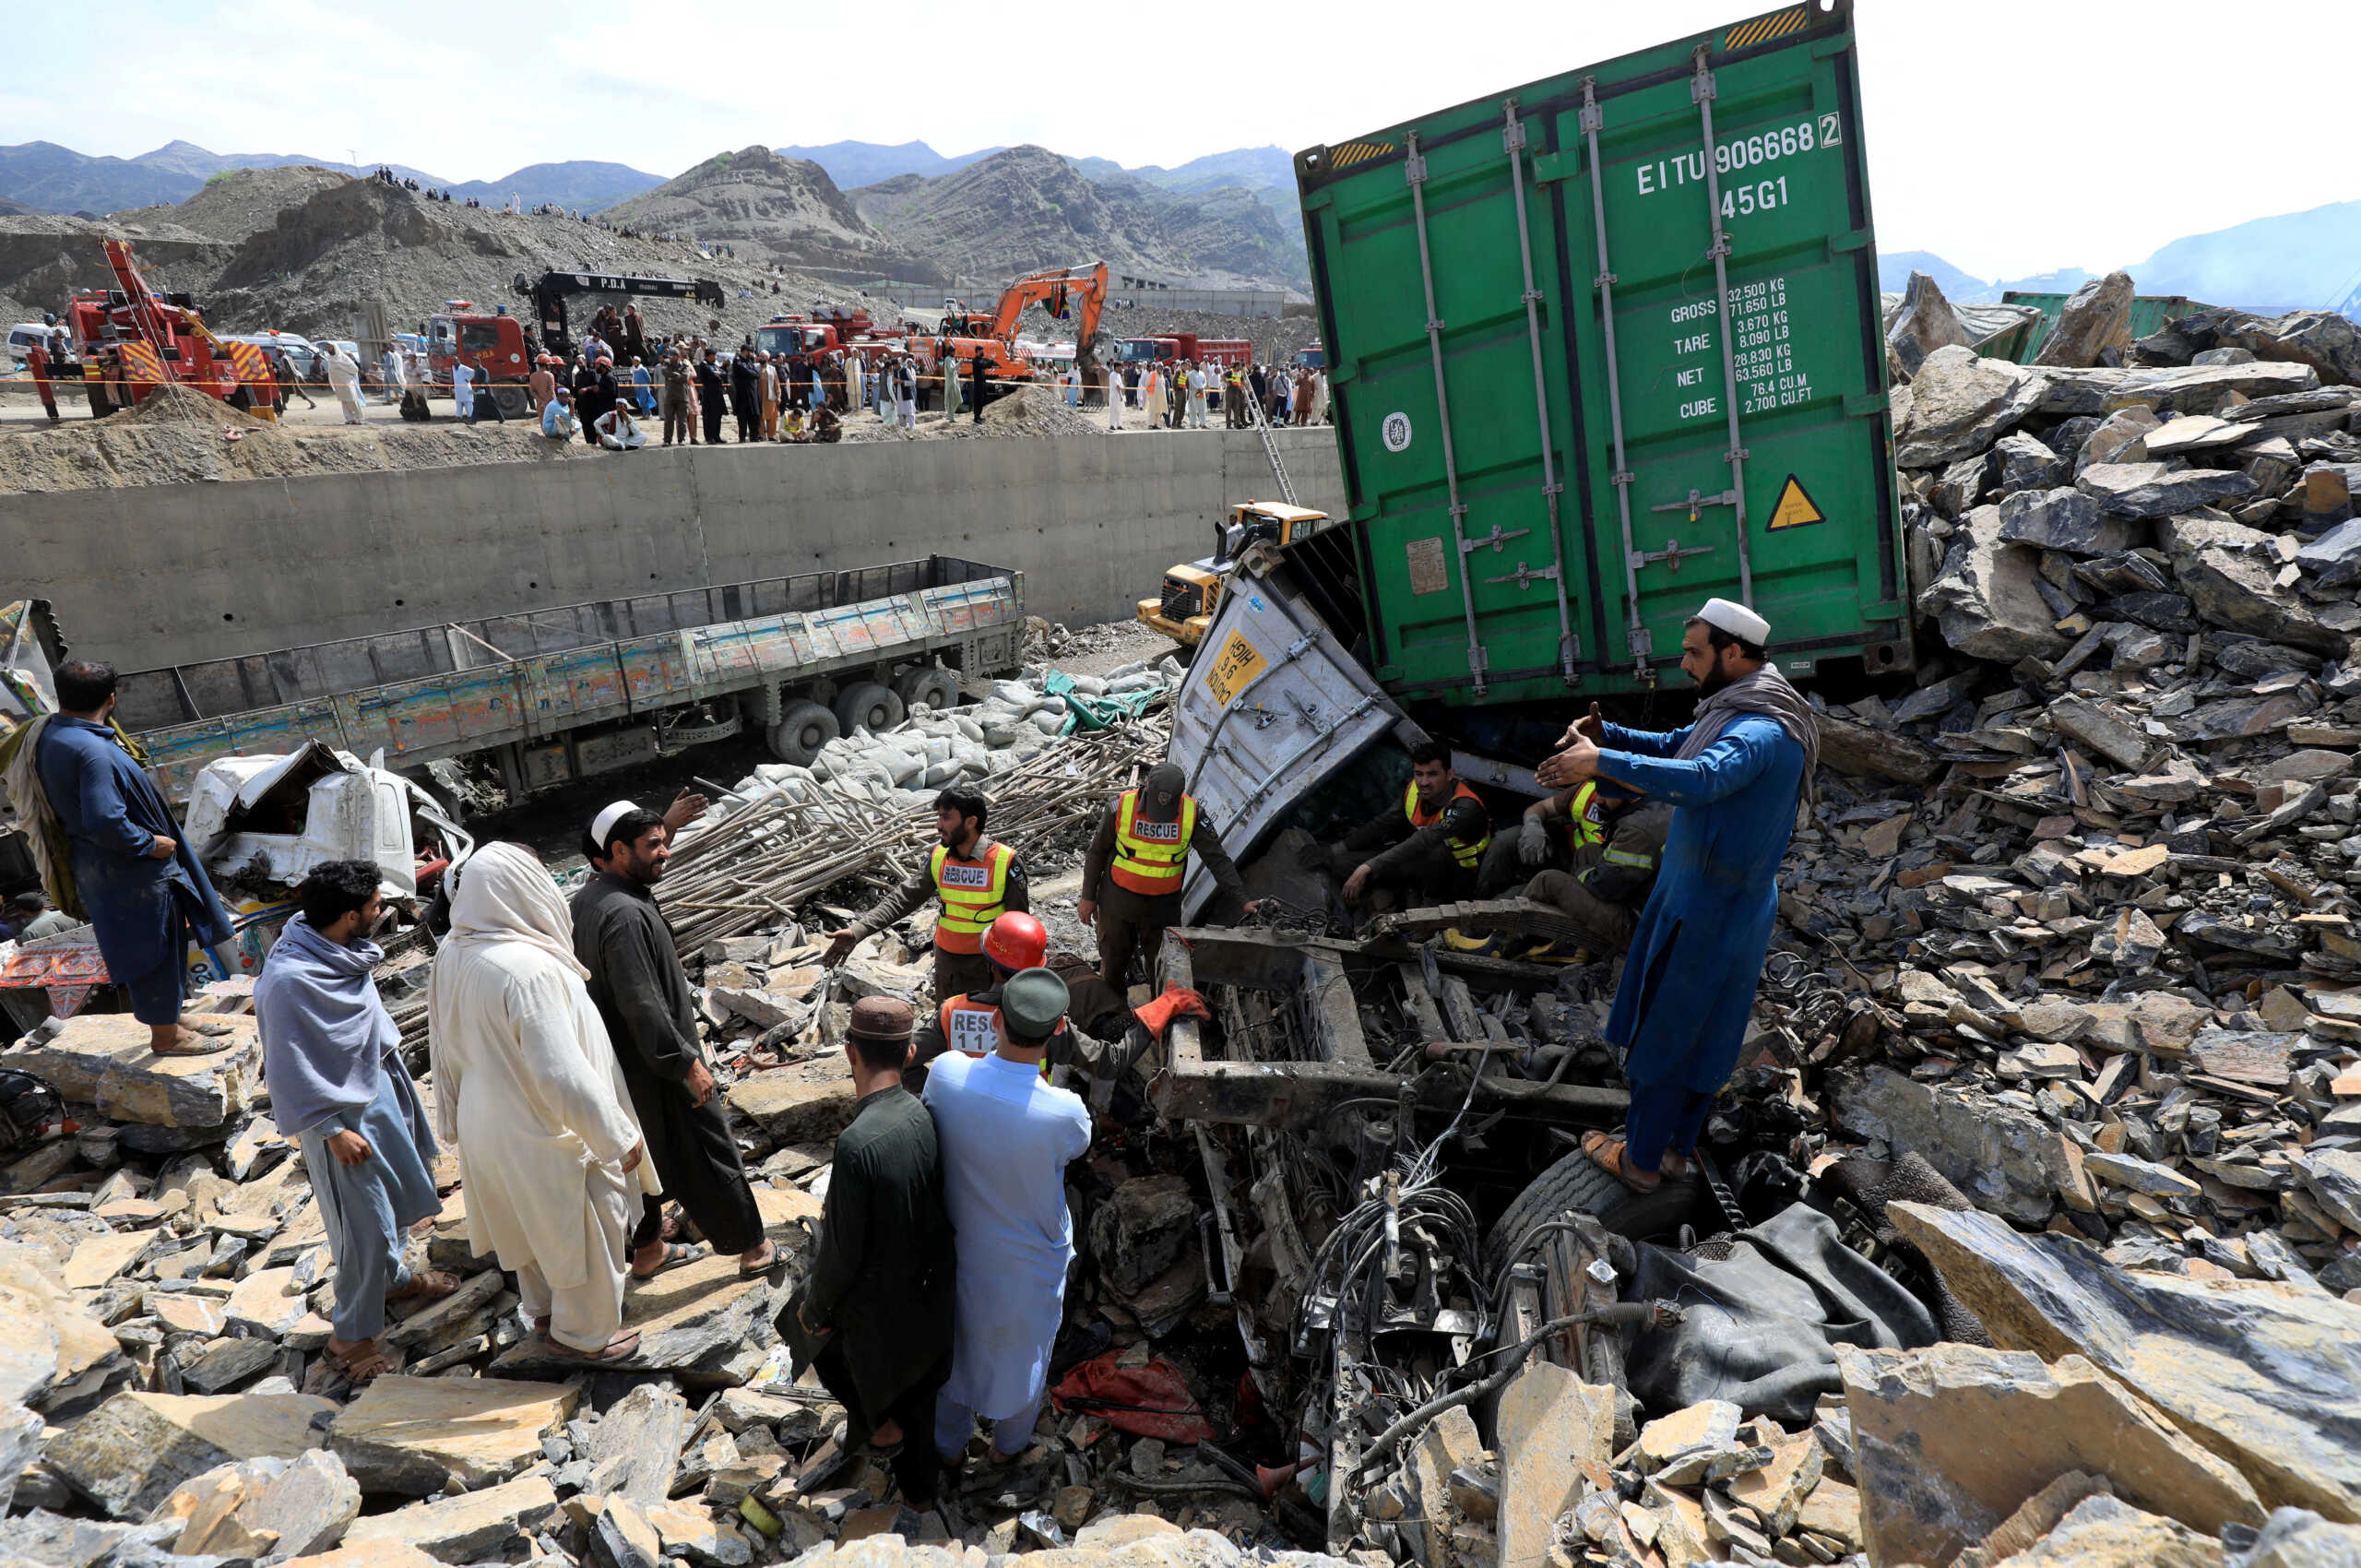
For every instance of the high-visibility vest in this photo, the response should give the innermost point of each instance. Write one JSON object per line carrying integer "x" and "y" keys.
{"x": 971, "y": 892}
{"x": 973, "y": 1028}
{"x": 1466, "y": 854}
{"x": 1149, "y": 855}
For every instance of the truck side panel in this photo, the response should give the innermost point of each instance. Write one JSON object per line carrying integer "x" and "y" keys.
{"x": 545, "y": 695}
{"x": 1494, "y": 602}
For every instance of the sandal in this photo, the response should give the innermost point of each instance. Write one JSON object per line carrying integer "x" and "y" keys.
{"x": 207, "y": 1026}
{"x": 191, "y": 1042}
{"x": 364, "y": 1363}
{"x": 431, "y": 1286}
{"x": 1610, "y": 1154}
{"x": 675, "y": 1255}
{"x": 622, "y": 1347}
{"x": 1674, "y": 1165}
{"x": 763, "y": 1268}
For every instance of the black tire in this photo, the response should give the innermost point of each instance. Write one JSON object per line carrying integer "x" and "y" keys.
{"x": 931, "y": 684}
{"x": 1573, "y": 1183}
{"x": 801, "y": 731}
{"x": 512, "y": 401}
{"x": 866, "y": 703}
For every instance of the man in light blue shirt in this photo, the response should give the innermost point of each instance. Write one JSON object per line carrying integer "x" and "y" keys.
{"x": 557, "y": 416}
{"x": 1006, "y": 1137}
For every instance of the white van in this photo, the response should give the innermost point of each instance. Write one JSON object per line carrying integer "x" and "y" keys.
{"x": 21, "y": 338}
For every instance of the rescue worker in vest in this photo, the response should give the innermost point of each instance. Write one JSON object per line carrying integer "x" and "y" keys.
{"x": 1554, "y": 834}
{"x": 1411, "y": 850}
{"x": 975, "y": 877}
{"x": 1608, "y": 878}
{"x": 1132, "y": 876}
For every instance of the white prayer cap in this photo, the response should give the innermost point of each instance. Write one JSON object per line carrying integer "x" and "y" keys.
{"x": 604, "y": 823}
{"x": 1737, "y": 620}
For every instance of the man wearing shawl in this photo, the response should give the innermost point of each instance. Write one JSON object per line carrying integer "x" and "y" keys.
{"x": 528, "y": 1085}
{"x": 332, "y": 1057}
{"x": 1733, "y": 779}
{"x": 110, "y": 849}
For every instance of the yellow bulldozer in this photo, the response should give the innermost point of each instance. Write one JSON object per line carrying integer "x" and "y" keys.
{"x": 1193, "y": 590}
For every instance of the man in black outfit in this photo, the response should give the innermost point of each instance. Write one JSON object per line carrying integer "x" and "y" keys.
{"x": 710, "y": 392}
{"x": 979, "y": 398}
{"x": 877, "y": 1307}
{"x": 745, "y": 395}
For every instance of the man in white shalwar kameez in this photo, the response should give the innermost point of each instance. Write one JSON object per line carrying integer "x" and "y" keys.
{"x": 529, "y": 1088}
{"x": 1006, "y": 1137}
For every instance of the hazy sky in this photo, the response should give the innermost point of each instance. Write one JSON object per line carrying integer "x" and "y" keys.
{"x": 2008, "y": 136}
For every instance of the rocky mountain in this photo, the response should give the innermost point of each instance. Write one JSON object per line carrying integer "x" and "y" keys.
{"x": 781, "y": 209}
{"x": 50, "y": 178}
{"x": 851, "y": 163}
{"x": 47, "y": 177}
{"x": 306, "y": 249}
{"x": 2292, "y": 261}
{"x": 1028, "y": 207}
{"x": 580, "y": 183}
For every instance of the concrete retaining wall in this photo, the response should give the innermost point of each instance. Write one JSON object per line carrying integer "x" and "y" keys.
{"x": 177, "y": 574}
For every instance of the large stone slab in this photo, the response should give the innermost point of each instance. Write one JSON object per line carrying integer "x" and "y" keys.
{"x": 466, "y": 1528}
{"x": 1550, "y": 1424}
{"x": 413, "y": 1434}
{"x": 2232, "y": 580}
{"x": 699, "y": 1320}
{"x": 129, "y": 1453}
{"x": 2105, "y": 1532}
{"x": 2096, "y": 317}
{"x": 2001, "y": 1159}
{"x": 102, "y": 1058}
{"x": 2160, "y": 489}
{"x": 1960, "y": 405}
{"x": 635, "y": 1447}
{"x": 308, "y": 1507}
{"x": 2267, "y": 1376}
{"x": 1950, "y": 1440}
{"x": 1985, "y": 599}
{"x": 802, "y": 1102}
{"x": 46, "y": 1337}
{"x": 375, "y": 1554}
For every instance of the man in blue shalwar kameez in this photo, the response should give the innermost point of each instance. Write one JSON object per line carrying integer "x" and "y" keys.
{"x": 1732, "y": 778}
{"x": 332, "y": 1057}
{"x": 1007, "y": 1137}
{"x": 145, "y": 893}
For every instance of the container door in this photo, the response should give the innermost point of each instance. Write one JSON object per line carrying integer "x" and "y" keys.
{"x": 1730, "y": 344}
{"x": 1453, "y": 409}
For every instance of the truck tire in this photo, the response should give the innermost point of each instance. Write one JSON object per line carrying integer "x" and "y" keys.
{"x": 867, "y": 703}
{"x": 512, "y": 401}
{"x": 801, "y": 731}
{"x": 1575, "y": 1184}
{"x": 931, "y": 684}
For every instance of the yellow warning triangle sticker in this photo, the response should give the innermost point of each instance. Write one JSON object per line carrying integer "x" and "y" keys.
{"x": 1794, "y": 509}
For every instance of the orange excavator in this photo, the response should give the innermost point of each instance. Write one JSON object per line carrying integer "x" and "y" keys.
{"x": 1076, "y": 293}
{"x": 130, "y": 340}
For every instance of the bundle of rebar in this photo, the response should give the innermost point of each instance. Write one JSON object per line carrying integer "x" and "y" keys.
{"x": 755, "y": 866}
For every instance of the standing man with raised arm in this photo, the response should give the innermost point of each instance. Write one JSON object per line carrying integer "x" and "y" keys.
{"x": 1733, "y": 779}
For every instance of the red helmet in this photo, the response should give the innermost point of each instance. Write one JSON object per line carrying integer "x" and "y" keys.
{"x": 1016, "y": 941}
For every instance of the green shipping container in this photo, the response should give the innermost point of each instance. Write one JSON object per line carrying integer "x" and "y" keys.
{"x": 2149, "y": 314}
{"x": 1607, "y": 345}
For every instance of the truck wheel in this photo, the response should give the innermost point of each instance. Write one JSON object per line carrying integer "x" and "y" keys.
{"x": 867, "y": 703}
{"x": 1575, "y": 1184}
{"x": 511, "y": 401}
{"x": 801, "y": 731}
{"x": 931, "y": 684}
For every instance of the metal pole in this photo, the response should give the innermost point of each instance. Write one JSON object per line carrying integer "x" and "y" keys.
{"x": 1414, "y": 168}
{"x": 1513, "y": 142}
{"x": 1701, "y": 88}
{"x": 1636, "y": 631}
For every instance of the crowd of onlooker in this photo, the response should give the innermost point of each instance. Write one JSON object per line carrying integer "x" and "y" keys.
{"x": 1180, "y": 394}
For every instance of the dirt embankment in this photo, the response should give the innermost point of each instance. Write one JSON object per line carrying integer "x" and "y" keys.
{"x": 178, "y": 436}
